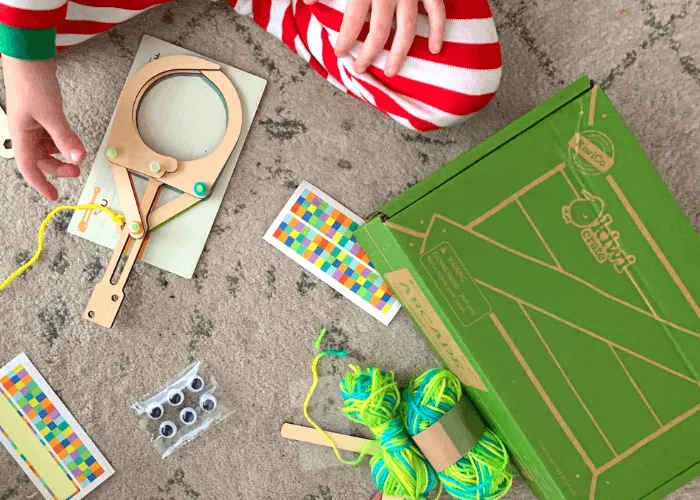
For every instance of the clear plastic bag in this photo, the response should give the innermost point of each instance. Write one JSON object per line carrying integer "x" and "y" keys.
{"x": 187, "y": 406}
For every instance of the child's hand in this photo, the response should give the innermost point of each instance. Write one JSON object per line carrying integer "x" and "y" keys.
{"x": 38, "y": 126}
{"x": 381, "y": 18}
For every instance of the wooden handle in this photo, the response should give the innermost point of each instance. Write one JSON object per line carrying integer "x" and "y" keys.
{"x": 343, "y": 442}
{"x": 108, "y": 295}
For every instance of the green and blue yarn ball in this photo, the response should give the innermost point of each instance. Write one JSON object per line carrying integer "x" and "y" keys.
{"x": 371, "y": 397}
{"x": 482, "y": 474}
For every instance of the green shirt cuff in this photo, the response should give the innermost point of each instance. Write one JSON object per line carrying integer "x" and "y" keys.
{"x": 27, "y": 44}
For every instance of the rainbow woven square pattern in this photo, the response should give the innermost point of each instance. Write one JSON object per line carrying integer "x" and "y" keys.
{"x": 318, "y": 233}
{"x": 36, "y": 408}
{"x": 329, "y": 221}
{"x": 335, "y": 262}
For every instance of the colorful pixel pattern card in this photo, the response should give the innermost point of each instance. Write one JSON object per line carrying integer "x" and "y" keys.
{"x": 316, "y": 232}
{"x": 44, "y": 438}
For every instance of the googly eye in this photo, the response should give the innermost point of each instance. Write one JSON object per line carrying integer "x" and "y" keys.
{"x": 196, "y": 384}
{"x": 167, "y": 429}
{"x": 154, "y": 411}
{"x": 207, "y": 403}
{"x": 175, "y": 398}
{"x": 188, "y": 416}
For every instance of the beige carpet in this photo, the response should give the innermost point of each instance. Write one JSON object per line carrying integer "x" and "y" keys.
{"x": 250, "y": 312}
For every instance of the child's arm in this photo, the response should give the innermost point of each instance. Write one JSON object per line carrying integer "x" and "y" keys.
{"x": 38, "y": 126}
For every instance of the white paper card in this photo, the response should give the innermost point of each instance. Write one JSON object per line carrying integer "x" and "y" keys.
{"x": 44, "y": 438}
{"x": 316, "y": 232}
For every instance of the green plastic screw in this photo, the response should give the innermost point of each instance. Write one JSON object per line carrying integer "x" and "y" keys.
{"x": 112, "y": 153}
{"x": 200, "y": 188}
{"x": 154, "y": 166}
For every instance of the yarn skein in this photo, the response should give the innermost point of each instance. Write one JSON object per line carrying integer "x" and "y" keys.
{"x": 371, "y": 397}
{"x": 483, "y": 473}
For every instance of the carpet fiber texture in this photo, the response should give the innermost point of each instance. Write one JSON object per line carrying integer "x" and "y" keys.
{"x": 250, "y": 312}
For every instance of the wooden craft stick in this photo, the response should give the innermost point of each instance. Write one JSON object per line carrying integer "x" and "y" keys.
{"x": 343, "y": 442}
{"x": 107, "y": 297}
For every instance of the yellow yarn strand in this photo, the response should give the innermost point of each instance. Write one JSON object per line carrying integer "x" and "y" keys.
{"x": 309, "y": 395}
{"x": 118, "y": 219}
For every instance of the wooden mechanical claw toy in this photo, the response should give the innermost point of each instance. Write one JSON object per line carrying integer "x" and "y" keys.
{"x": 128, "y": 155}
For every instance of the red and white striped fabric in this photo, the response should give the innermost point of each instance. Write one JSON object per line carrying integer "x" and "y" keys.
{"x": 88, "y": 18}
{"x": 430, "y": 91}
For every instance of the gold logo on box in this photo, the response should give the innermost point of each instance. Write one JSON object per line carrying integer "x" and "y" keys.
{"x": 588, "y": 214}
{"x": 591, "y": 152}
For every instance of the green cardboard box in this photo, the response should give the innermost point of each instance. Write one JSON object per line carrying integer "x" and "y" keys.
{"x": 553, "y": 272}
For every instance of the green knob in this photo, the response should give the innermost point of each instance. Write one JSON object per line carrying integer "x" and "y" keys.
{"x": 200, "y": 189}
{"x": 112, "y": 153}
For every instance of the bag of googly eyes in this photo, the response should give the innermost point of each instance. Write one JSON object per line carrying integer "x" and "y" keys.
{"x": 187, "y": 406}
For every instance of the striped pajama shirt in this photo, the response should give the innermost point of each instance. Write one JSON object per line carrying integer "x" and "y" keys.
{"x": 430, "y": 91}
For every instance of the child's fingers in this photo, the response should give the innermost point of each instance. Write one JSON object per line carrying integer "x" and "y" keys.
{"x": 56, "y": 168}
{"x": 379, "y": 31}
{"x": 48, "y": 145}
{"x": 436, "y": 19}
{"x": 406, "y": 15}
{"x": 25, "y": 143}
{"x": 36, "y": 179}
{"x": 67, "y": 141}
{"x": 378, "y": 496}
{"x": 353, "y": 21}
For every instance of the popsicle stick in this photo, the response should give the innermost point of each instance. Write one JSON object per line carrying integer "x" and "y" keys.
{"x": 343, "y": 442}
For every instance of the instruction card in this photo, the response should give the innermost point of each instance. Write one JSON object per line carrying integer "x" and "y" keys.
{"x": 316, "y": 232}
{"x": 166, "y": 248}
{"x": 44, "y": 438}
